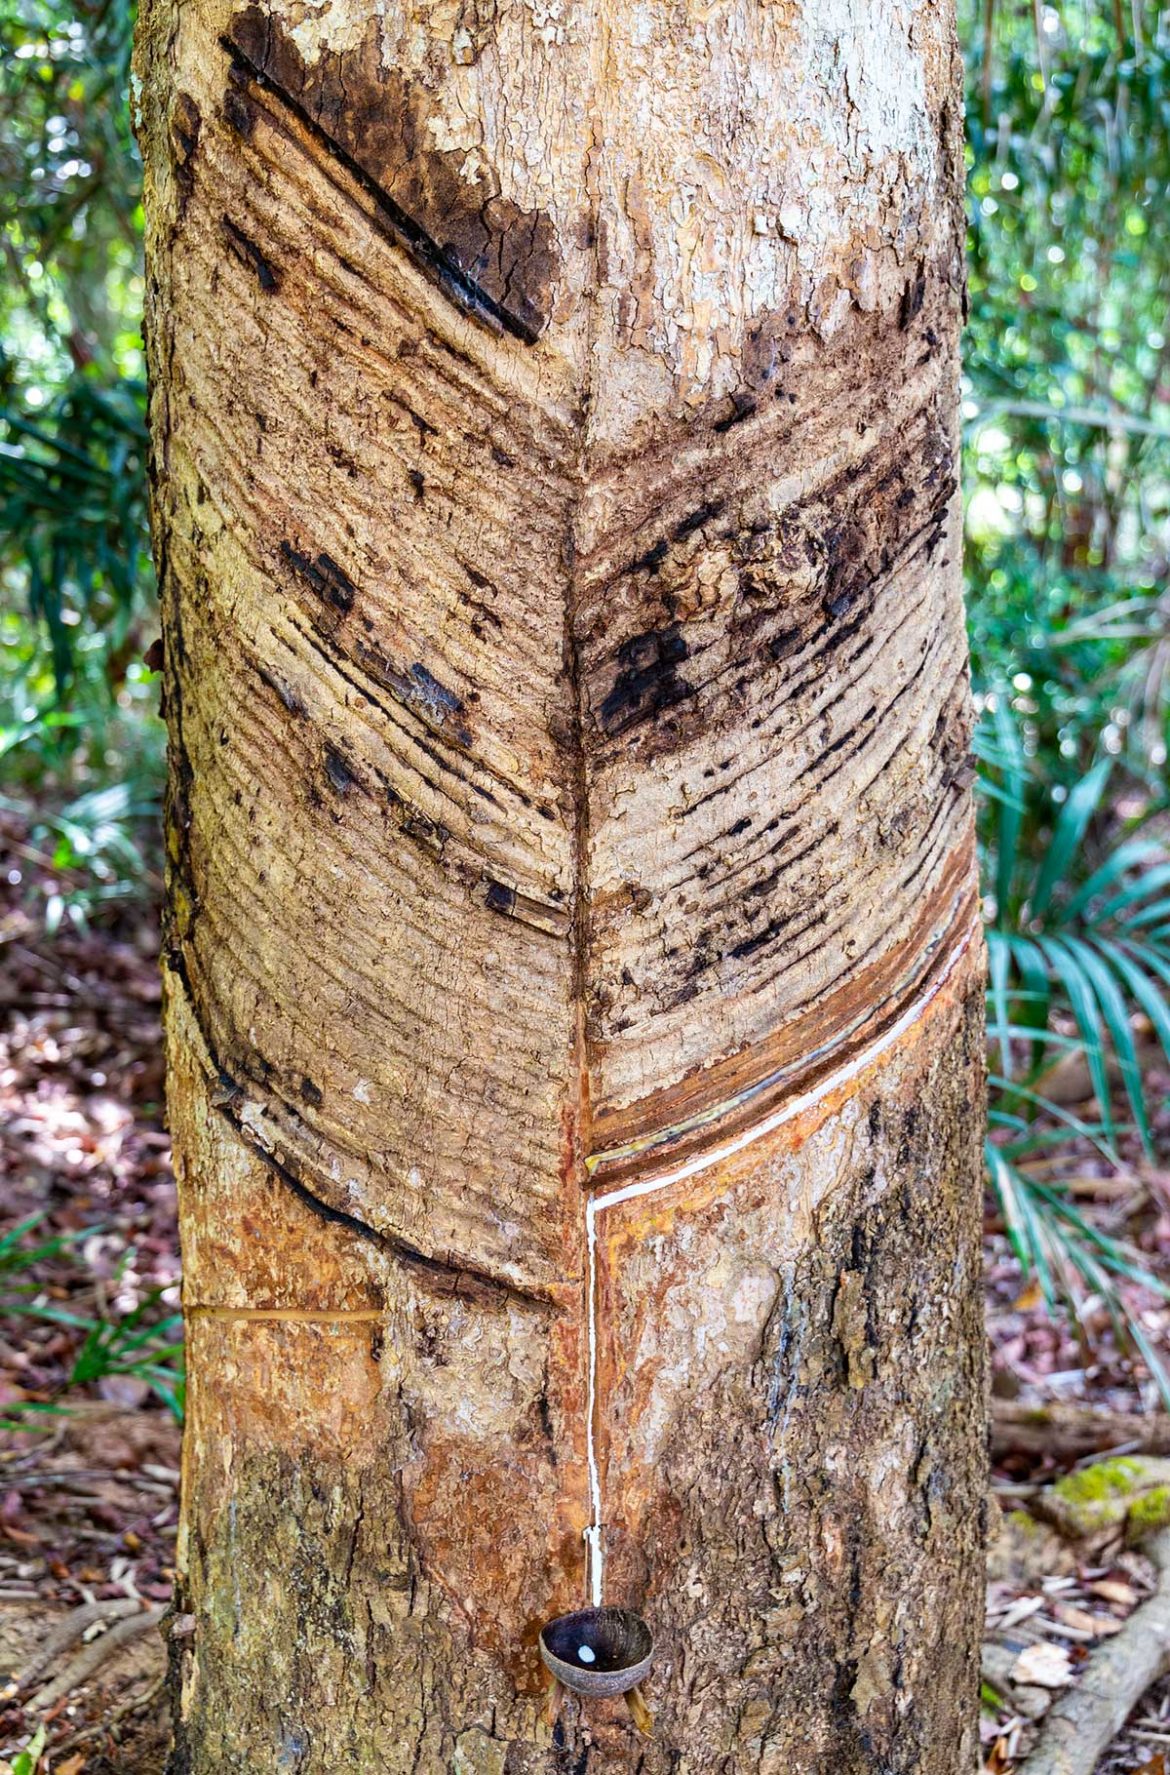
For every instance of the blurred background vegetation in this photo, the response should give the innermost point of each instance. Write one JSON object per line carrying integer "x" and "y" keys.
{"x": 1066, "y": 431}
{"x": 79, "y": 741}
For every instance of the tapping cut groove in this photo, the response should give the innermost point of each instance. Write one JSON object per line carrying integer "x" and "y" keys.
{"x": 749, "y": 1082}
{"x": 291, "y": 1315}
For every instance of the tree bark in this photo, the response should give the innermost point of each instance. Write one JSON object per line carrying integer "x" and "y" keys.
{"x": 573, "y": 965}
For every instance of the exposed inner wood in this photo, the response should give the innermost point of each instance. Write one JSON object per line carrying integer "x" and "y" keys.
{"x": 355, "y": 1316}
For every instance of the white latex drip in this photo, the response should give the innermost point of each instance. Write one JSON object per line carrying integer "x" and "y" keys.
{"x": 596, "y": 1204}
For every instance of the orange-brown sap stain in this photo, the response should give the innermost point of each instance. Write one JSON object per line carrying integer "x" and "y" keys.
{"x": 489, "y": 1527}
{"x": 276, "y": 1253}
{"x": 305, "y": 1389}
{"x": 247, "y": 1240}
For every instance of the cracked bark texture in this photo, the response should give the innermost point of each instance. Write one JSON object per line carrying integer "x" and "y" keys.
{"x": 555, "y": 507}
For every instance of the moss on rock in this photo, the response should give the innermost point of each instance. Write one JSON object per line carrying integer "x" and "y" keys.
{"x": 1125, "y": 1490}
{"x": 1149, "y": 1512}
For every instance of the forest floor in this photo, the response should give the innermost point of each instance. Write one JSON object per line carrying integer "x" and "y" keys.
{"x": 89, "y": 1445}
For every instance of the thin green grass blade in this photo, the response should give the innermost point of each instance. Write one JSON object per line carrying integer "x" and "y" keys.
{"x": 1020, "y": 1221}
{"x": 1127, "y": 856}
{"x": 1144, "y": 991}
{"x": 999, "y": 960}
{"x": 1011, "y": 810}
{"x": 1134, "y": 892}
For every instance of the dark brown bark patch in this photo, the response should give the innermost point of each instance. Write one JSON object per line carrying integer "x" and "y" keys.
{"x": 503, "y": 259}
{"x": 648, "y": 679}
{"x": 185, "y": 126}
{"x": 244, "y": 248}
{"x": 803, "y": 582}
{"x": 330, "y": 582}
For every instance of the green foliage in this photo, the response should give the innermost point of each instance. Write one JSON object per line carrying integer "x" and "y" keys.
{"x": 98, "y": 849}
{"x": 27, "y": 1761}
{"x": 139, "y": 1344}
{"x": 1066, "y": 422}
{"x": 76, "y": 586}
{"x": 1079, "y": 914}
{"x": 72, "y": 503}
{"x": 1078, "y": 936}
{"x": 1067, "y": 476}
{"x": 145, "y": 1343}
{"x": 17, "y": 1294}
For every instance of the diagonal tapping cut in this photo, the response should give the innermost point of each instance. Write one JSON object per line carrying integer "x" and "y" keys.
{"x": 758, "y": 1082}
{"x": 598, "y": 1202}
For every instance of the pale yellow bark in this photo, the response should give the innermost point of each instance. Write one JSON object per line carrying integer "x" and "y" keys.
{"x": 573, "y": 980}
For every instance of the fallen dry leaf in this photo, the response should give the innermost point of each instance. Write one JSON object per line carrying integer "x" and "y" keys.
{"x": 1113, "y": 1590}
{"x": 1020, "y": 1610}
{"x": 1083, "y": 1622}
{"x": 1045, "y": 1665}
{"x": 72, "y": 1765}
{"x": 22, "y": 1537}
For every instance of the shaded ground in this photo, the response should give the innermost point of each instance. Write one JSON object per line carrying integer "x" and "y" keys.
{"x": 1052, "y": 1599}
{"x": 88, "y": 1499}
{"x": 88, "y": 1495}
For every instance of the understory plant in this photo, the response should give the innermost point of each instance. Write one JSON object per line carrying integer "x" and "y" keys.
{"x": 1077, "y": 905}
{"x": 144, "y": 1343}
{"x": 1066, "y": 436}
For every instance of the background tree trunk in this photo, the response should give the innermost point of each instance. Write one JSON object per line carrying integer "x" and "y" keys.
{"x": 574, "y": 988}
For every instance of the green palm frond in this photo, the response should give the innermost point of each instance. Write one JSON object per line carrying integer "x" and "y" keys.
{"x": 1053, "y": 1241}
{"x": 1077, "y": 924}
{"x": 1079, "y": 954}
{"x": 73, "y": 523}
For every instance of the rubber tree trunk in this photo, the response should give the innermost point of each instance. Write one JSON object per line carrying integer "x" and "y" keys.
{"x": 574, "y": 981}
